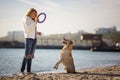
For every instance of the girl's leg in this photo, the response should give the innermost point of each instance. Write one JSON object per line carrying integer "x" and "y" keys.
{"x": 23, "y": 64}
{"x": 33, "y": 47}
{"x": 32, "y": 55}
{"x": 29, "y": 65}
{"x": 28, "y": 46}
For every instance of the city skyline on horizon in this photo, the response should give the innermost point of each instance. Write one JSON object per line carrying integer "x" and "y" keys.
{"x": 19, "y": 32}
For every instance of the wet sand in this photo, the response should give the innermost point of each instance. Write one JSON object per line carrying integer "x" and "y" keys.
{"x": 104, "y": 73}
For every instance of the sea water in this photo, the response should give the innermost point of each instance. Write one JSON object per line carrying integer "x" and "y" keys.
{"x": 45, "y": 59}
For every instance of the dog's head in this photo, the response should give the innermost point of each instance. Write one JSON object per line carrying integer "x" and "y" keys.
{"x": 67, "y": 43}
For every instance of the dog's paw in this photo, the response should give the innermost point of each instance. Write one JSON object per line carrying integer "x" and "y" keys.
{"x": 55, "y": 67}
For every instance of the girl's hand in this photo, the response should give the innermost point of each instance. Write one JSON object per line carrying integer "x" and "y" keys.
{"x": 39, "y": 33}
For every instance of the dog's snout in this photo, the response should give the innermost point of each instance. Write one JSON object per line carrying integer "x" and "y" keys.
{"x": 64, "y": 42}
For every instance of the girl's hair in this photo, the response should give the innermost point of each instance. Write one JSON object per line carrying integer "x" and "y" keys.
{"x": 28, "y": 13}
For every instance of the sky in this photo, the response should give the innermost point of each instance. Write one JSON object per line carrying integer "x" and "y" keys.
{"x": 62, "y": 15}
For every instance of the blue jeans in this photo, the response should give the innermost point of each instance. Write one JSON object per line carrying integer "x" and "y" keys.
{"x": 30, "y": 46}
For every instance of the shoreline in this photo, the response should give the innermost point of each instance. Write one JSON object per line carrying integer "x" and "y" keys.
{"x": 102, "y": 73}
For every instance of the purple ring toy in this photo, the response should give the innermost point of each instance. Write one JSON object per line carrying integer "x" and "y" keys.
{"x": 43, "y": 19}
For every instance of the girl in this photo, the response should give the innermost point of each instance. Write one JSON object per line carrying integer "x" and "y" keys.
{"x": 30, "y": 33}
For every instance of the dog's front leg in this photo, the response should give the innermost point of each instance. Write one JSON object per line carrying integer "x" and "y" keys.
{"x": 57, "y": 64}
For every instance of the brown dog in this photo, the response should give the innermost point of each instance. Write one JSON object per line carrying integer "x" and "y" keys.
{"x": 66, "y": 57}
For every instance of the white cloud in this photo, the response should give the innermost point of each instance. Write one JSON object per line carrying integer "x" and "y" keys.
{"x": 50, "y": 4}
{"x": 27, "y": 2}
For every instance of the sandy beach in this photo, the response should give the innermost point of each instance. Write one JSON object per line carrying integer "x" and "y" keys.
{"x": 104, "y": 73}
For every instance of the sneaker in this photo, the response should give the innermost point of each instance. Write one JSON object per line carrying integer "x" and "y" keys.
{"x": 21, "y": 74}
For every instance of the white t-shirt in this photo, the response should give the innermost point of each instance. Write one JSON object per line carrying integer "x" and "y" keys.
{"x": 30, "y": 27}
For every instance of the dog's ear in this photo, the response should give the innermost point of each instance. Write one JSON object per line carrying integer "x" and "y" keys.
{"x": 65, "y": 39}
{"x": 70, "y": 42}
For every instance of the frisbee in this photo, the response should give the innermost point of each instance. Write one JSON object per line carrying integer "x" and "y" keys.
{"x": 40, "y": 17}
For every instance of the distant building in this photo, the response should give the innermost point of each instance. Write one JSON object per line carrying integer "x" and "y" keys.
{"x": 15, "y": 33}
{"x": 15, "y": 36}
{"x": 96, "y": 39}
{"x": 105, "y": 30}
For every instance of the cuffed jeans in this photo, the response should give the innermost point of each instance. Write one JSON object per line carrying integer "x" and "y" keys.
{"x": 30, "y": 46}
